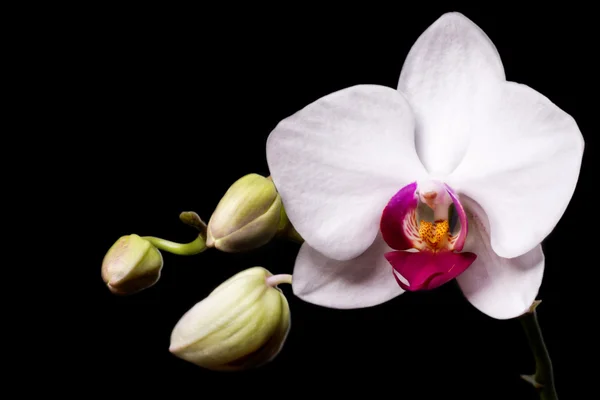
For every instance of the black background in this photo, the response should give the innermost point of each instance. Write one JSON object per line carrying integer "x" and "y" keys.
{"x": 178, "y": 105}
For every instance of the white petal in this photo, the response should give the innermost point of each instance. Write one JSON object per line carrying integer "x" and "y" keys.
{"x": 522, "y": 168}
{"x": 338, "y": 161}
{"x": 446, "y": 78}
{"x": 499, "y": 287}
{"x": 365, "y": 281}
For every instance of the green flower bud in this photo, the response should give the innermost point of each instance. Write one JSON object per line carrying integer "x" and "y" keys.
{"x": 248, "y": 216}
{"x": 242, "y": 324}
{"x": 131, "y": 265}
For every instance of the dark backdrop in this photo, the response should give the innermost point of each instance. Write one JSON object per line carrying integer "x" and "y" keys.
{"x": 182, "y": 101}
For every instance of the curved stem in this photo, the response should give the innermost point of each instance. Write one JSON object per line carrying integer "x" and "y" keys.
{"x": 543, "y": 379}
{"x": 183, "y": 249}
{"x": 275, "y": 280}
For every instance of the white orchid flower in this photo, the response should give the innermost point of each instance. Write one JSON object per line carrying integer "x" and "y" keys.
{"x": 368, "y": 175}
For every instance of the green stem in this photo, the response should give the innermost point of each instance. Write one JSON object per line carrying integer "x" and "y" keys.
{"x": 543, "y": 379}
{"x": 183, "y": 249}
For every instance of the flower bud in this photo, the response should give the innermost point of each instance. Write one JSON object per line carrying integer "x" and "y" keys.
{"x": 242, "y": 324}
{"x": 248, "y": 216}
{"x": 131, "y": 265}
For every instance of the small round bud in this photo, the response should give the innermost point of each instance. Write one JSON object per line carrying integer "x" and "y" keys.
{"x": 247, "y": 217}
{"x": 242, "y": 324}
{"x": 131, "y": 265}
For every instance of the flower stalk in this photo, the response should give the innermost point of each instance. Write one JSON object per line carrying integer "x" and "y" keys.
{"x": 194, "y": 247}
{"x": 275, "y": 280}
{"x": 543, "y": 379}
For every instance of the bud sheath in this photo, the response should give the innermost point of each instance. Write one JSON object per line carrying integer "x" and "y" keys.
{"x": 131, "y": 264}
{"x": 247, "y": 217}
{"x": 242, "y": 324}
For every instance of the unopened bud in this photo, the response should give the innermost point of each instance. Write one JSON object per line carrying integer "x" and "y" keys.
{"x": 131, "y": 264}
{"x": 247, "y": 217}
{"x": 242, "y": 324}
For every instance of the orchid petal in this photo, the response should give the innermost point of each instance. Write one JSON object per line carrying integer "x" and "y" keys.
{"x": 338, "y": 161}
{"x": 362, "y": 282}
{"x": 446, "y": 78}
{"x": 502, "y": 288}
{"x": 522, "y": 168}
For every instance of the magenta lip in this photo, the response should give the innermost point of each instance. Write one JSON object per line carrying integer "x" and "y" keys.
{"x": 426, "y": 270}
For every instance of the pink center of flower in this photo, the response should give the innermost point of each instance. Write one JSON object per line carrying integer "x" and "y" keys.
{"x": 417, "y": 223}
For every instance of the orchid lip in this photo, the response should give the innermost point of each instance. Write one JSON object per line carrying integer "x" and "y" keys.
{"x": 419, "y": 217}
{"x": 426, "y": 270}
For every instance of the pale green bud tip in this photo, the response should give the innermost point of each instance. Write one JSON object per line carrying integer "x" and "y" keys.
{"x": 131, "y": 264}
{"x": 242, "y": 324}
{"x": 247, "y": 217}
